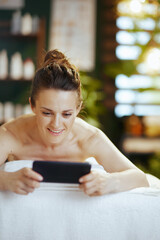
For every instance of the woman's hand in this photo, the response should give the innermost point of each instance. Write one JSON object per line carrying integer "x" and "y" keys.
{"x": 97, "y": 183}
{"x": 23, "y": 181}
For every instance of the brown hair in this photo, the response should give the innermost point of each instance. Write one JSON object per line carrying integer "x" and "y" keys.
{"x": 57, "y": 73}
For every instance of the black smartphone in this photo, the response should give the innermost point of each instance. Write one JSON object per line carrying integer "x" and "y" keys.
{"x": 61, "y": 172}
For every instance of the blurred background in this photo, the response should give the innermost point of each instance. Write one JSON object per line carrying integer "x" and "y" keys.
{"x": 116, "y": 46}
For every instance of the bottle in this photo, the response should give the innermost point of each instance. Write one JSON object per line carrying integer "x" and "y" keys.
{"x": 16, "y": 22}
{"x": 26, "y": 27}
{"x": 8, "y": 111}
{"x": 18, "y": 110}
{"x": 133, "y": 126}
{"x": 3, "y": 65}
{"x": 35, "y": 24}
{"x": 16, "y": 67}
{"x": 28, "y": 69}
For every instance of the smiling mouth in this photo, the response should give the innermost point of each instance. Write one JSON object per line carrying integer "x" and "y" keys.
{"x": 55, "y": 132}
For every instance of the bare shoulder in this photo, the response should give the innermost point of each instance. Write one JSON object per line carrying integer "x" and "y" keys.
{"x": 87, "y": 134}
{"x": 15, "y": 126}
{"x": 85, "y": 129}
{"x": 13, "y": 130}
{"x": 12, "y": 136}
{"x": 7, "y": 143}
{"x": 6, "y": 132}
{"x": 94, "y": 141}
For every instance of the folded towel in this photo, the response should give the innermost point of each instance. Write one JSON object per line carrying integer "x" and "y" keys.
{"x": 60, "y": 211}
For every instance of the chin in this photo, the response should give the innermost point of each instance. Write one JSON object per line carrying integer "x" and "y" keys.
{"x": 55, "y": 139}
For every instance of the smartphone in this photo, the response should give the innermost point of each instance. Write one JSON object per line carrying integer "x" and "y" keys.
{"x": 61, "y": 172}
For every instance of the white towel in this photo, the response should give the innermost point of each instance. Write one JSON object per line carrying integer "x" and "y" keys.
{"x": 63, "y": 212}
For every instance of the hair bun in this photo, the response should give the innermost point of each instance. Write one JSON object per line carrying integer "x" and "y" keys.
{"x": 55, "y": 56}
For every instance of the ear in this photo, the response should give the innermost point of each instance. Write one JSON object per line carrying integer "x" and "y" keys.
{"x": 33, "y": 109}
{"x": 79, "y": 107}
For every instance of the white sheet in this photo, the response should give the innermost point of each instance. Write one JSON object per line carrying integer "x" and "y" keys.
{"x": 63, "y": 212}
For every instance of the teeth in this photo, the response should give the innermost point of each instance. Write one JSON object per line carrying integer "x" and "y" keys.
{"x": 55, "y": 131}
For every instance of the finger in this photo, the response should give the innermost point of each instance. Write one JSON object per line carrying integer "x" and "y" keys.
{"x": 94, "y": 194}
{"x": 91, "y": 191}
{"x": 86, "y": 186}
{"x": 86, "y": 178}
{"x": 31, "y": 183}
{"x": 23, "y": 188}
{"x": 29, "y": 189}
{"x": 88, "y": 190}
{"x": 28, "y": 172}
{"x": 90, "y": 184}
{"x": 21, "y": 191}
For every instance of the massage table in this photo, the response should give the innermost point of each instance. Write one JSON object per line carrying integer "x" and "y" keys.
{"x": 57, "y": 211}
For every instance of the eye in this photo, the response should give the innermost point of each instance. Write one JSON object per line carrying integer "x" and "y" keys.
{"x": 46, "y": 113}
{"x": 67, "y": 114}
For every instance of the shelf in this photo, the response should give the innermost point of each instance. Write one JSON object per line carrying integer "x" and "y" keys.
{"x": 39, "y": 36}
{"x": 5, "y": 31}
{"x": 140, "y": 145}
{"x": 17, "y": 91}
{"x": 11, "y": 35}
{"x": 10, "y": 80}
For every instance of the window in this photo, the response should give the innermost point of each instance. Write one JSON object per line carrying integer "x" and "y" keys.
{"x": 138, "y": 41}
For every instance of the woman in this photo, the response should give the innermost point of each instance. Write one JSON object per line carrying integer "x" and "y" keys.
{"x": 54, "y": 132}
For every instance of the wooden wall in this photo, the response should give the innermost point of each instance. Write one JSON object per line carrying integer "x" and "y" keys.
{"x": 106, "y": 44}
{"x": 106, "y": 35}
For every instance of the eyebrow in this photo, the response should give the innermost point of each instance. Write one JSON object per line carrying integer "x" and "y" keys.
{"x": 68, "y": 110}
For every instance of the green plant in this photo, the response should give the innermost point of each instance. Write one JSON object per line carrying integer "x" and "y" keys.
{"x": 153, "y": 165}
{"x": 127, "y": 67}
{"x": 92, "y": 99}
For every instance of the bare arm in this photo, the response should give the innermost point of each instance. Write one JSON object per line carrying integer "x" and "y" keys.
{"x": 121, "y": 174}
{"x": 98, "y": 183}
{"x": 22, "y": 181}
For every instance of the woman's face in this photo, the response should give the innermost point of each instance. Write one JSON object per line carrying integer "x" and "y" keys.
{"x": 55, "y": 111}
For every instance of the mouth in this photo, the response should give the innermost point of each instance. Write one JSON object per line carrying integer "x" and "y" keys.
{"x": 55, "y": 132}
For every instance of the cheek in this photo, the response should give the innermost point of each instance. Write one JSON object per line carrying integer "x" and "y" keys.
{"x": 42, "y": 121}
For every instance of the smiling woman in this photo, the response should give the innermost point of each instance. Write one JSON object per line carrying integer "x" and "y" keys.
{"x": 54, "y": 132}
{"x": 55, "y": 111}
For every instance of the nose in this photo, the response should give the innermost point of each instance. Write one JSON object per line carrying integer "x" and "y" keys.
{"x": 56, "y": 122}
